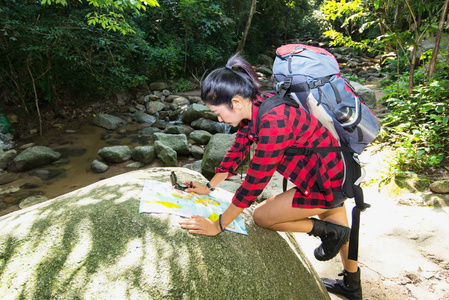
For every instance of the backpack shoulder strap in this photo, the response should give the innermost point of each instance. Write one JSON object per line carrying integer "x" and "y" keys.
{"x": 268, "y": 105}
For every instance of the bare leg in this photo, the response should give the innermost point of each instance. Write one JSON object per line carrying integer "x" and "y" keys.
{"x": 278, "y": 214}
{"x": 338, "y": 216}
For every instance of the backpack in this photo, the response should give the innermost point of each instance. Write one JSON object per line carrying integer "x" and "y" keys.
{"x": 309, "y": 77}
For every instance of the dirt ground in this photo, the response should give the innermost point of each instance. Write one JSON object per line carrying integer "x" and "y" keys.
{"x": 403, "y": 249}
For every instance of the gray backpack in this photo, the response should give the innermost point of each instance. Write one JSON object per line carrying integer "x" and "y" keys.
{"x": 311, "y": 76}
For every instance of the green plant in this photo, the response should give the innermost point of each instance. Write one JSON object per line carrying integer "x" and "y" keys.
{"x": 419, "y": 125}
{"x": 183, "y": 85}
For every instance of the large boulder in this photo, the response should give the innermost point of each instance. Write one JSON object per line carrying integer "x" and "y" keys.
{"x": 93, "y": 244}
{"x": 34, "y": 157}
{"x": 215, "y": 151}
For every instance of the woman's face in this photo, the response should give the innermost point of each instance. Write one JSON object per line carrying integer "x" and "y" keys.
{"x": 226, "y": 115}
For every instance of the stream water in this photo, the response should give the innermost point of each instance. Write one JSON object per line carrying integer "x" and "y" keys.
{"x": 79, "y": 147}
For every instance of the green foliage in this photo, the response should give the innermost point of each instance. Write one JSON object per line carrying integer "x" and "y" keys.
{"x": 352, "y": 25}
{"x": 66, "y": 61}
{"x": 418, "y": 124}
{"x": 111, "y": 20}
{"x": 183, "y": 85}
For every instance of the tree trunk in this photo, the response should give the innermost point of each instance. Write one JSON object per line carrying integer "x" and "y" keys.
{"x": 412, "y": 68}
{"x": 248, "y": 25}
{"x": 433, "y": 61}
{"x": 415, "y": 47}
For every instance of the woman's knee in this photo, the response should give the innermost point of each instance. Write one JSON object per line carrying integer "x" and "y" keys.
{"x": 260, "y": 218}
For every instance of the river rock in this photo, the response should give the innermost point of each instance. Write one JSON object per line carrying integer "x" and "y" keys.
{"x": 6, "y": 158}
{"x": 201, "y": 137}
{"x": 149, "y": 130}
{"x": 195, "y": 166}
{"x": 197, "y": 152}
{"x": 143, "y": 154}
{"x": 166, "y": 154}
{"x": 366, "y": 94}
{"x": 195, "y": 99}
{"x": 173, "y": 115}
{"x": 115, "y": 154}
{"x": 178, "y": 129}
{"x": 34, "y": 157}
{"x": 151, "y": 97}
{"x": 47, "y": 174}
{"x": 210, "y": 126}
{"x": 142, "y": 117}
{"x": 215, "y": 151}
{"x": 194, "y": 112}
{"x": 440, "y": 186}
{"x": 158, "y": 86}
{"x": 180, "y": 101}
{"x": 177, "y": 142}
{"x": 154, "y": 107}
{"x": 8, "y": 177}
{"x": 32, "y": 200}
{"x": 134, "y": 165}
{"x": 98, "y": 166}
{"x": 108, "y": 121}
{"x": 93, "y": 244}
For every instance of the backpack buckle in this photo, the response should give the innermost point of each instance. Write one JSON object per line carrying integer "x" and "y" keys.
{"x": 319, "y": 82}
{"x": 287, "y": 83}
{"x": 307, "y": 151}
{"x": 284, "y": 85}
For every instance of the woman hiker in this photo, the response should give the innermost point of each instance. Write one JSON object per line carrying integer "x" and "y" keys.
{"x": 233, "y": 94}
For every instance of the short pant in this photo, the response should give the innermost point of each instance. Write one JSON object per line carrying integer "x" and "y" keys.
{"x": 339, "y": 199}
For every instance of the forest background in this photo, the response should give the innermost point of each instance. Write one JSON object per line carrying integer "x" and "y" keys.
{"x": 64, "y": 53}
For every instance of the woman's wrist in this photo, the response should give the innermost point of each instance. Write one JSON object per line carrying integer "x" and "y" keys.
{"x": 220, "y": 224}
{"x": 210, "y": 187}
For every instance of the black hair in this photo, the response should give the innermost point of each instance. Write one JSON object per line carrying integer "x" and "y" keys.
{"x": 222, "y": 84}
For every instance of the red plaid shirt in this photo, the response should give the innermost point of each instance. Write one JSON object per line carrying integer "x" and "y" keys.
{"x": 281, "y": 128}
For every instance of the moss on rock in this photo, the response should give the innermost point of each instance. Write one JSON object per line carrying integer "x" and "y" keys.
{"x": 93, "y": 243}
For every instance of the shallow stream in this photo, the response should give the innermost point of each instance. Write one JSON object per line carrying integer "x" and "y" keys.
{"x": 79, "y": 145}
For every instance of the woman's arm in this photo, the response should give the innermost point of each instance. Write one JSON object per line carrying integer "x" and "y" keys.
{"x": 205, "y": 226}
{"x": 203, "y": 189}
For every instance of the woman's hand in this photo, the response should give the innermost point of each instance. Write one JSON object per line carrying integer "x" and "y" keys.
{"x": 201, "y": 225}
{"x": 198, "y": 188}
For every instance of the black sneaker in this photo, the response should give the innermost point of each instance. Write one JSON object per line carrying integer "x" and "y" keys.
{"x": 332, "y": 242}
{"x": 349, "y": 286}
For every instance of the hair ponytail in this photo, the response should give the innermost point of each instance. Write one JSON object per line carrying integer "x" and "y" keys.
{"x": 236, "y": 78}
